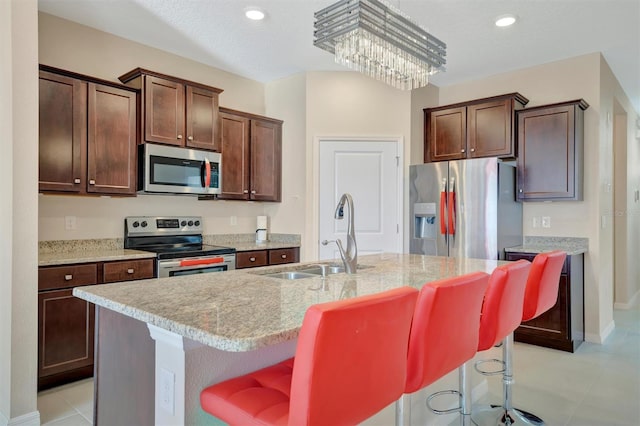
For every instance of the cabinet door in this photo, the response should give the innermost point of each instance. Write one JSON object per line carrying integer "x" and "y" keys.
{"x": 446, "y": 135}
{"x": 266, "y": 160}
{"x": 286, "y": 255}
{"x": 547, "y": 155}
{"x": 62, "y": 125}
{"x": 202, "y": 119}
{"x": 112, "y": 140}
{"x": 251, "y": 259}
{"x": 489, "y": 129}
{"x": 235, "y": 156}
{"x": 164, "y": 111}
{"x": 65, "y": 332}
{"x": 553, "y": 324}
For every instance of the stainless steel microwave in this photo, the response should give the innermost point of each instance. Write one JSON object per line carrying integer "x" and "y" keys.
{"x": 172, "y": 170}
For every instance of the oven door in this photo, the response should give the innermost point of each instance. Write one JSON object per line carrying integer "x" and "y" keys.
{"x": 195, "y": 265}
{"x": 166, "y": 169}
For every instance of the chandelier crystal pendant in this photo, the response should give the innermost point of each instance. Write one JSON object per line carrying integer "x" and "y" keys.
{"x": 374, "y": 38}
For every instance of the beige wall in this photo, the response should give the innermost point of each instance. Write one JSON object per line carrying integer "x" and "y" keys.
{"x": 348, "y": 104}
{"x": 570, "y": 79}
{"x": 286, "y": 99}
{"x": 18, "y": 215}
{"x": 67, "y": 45}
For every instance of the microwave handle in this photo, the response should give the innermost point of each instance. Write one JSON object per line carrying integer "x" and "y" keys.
{"x": 205, "y": 173}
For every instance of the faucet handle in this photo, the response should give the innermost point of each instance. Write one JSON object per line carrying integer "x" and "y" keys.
{"x": 326, "y": 242}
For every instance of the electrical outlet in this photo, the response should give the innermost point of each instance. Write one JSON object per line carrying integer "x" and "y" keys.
{"x": 546, "y": 221}
{"x": 536, "y": 222}
{"x": 167, "y": 391}
{"x": 70, "y": 223}
{"x": 233, "y": 220}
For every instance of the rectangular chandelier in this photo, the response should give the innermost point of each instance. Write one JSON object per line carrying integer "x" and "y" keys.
{"x": 380, "y": 41}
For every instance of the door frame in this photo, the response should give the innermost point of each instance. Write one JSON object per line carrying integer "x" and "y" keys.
{"x": 315, "y": 195}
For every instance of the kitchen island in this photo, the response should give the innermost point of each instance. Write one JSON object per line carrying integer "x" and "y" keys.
{"x": 161, "y": 341}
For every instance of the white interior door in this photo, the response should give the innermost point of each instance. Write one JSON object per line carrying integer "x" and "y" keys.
{"x": 370, "y": 172}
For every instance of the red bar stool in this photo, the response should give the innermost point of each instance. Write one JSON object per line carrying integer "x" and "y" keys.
{"x": 350, "y": 363}
{"x": 541, "y": 294}
{"x": 444, "y": 332}
{"x": 501, "y": 315}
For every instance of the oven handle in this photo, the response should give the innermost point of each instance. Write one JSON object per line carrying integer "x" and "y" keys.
{"x": 195, "y": 262}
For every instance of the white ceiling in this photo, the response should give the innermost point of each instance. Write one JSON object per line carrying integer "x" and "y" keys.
{"x": 215, "y": 32}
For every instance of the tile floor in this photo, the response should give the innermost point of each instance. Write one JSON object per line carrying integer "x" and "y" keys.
{"x": 598, "y": 385}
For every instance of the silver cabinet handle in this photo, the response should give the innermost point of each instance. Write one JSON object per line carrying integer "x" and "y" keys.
{"x": 521, "y": 190}
{"x": 246, "y": 191}
{"x": 68, "y": 277}
{"x": 473, "y": 150}
{"x": 76, "y": 180}
{"x": 179, "y": 136}
{"x": 253, "y": 191}
{"x": 252, "y": 259}
{"x": 130, "y": 271}
{"x": 462, "y": 150}
{"x": 190, "y": 138}
{"x": 92, "y": 182}
{"x": 284, "y": 256}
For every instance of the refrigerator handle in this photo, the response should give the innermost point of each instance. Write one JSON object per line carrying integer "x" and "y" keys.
{"x": 451, "y": 207}
{"x": 443, "y": 204}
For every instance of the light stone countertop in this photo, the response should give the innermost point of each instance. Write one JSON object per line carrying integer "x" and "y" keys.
{"x": 66, "y": 252}
{"x": 242, "y": 311}
{"x": 535, "y": 245}
{"x": 88, "y": 256}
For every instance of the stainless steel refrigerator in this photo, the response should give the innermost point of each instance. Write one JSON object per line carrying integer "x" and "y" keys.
{"x": 464, "y": 208}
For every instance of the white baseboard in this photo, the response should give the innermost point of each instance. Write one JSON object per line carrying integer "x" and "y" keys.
{"x": 29, "y": 419}
{"x": 600, "y": 338}
{"x": 632, "y": 303}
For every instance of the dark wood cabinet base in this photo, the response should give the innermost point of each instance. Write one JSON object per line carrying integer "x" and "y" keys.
{"x": 54, "y": 380}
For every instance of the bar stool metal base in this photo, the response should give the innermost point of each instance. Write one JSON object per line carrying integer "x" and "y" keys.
{"x": 497, "y": 415}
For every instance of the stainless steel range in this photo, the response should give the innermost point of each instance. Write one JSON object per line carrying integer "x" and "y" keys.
{"x": 178, "y": 242}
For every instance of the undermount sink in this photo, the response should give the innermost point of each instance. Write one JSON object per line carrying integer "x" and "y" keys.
{"x": 310, "y": 271}
{"x": 290, "y": 275}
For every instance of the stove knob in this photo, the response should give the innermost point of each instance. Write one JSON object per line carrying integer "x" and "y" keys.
{"x": 183, "y": 223}
{"x": 190, "y": 223}
{"x": 144, "y": 224}
{"x": 136, "y": 224}
{"x": 196, "y": 223}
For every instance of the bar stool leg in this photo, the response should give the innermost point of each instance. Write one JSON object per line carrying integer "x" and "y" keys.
{"x": 403, "y": 410}
{"x": 464, "y": 378}
{"x": 506, "y": 414}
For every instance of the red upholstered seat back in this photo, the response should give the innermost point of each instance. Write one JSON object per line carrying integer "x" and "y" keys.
{"x": 444, "y": 332}
{"x": 503, "y": 303}
{"x": 542, "y": 285}
{"x": 351, "y": 358}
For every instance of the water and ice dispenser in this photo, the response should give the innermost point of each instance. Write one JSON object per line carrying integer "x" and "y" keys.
{"x": 424, "y": 221}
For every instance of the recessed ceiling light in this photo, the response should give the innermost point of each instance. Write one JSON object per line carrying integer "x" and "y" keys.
{"x": 505, "y": 20}
{"x": 254, "y": 14}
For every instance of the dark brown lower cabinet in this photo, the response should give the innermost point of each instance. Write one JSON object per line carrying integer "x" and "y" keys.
{"x": 255, "y": 258}
{"x": 66, "y": 324}
{"x": 65, "y": 336}
{"x": 562, "y": 326}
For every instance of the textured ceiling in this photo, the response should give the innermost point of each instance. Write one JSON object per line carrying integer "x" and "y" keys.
{"x": 215, "y": 32}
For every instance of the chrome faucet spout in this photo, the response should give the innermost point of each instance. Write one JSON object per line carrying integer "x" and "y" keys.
{"x": 350, "y": 255}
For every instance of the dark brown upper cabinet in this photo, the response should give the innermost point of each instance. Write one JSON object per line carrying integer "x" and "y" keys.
{"x": 87, "y": 134}
{"x": 550, "y": 147}
{"x": 474, "y": 129}
{"x": 176, "y": 111}
{"x": 251, "y": 156}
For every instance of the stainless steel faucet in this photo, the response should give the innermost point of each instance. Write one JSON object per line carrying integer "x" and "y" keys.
{"x": 350, "y": 255}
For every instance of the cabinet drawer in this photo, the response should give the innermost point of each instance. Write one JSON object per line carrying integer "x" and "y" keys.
{"x": 530, "y": 257}
{"x": 128, "y": 270}
{"x": 50, "y": 278}
{"x": 288, "y": 255}
{"x": 250, "y": 259}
